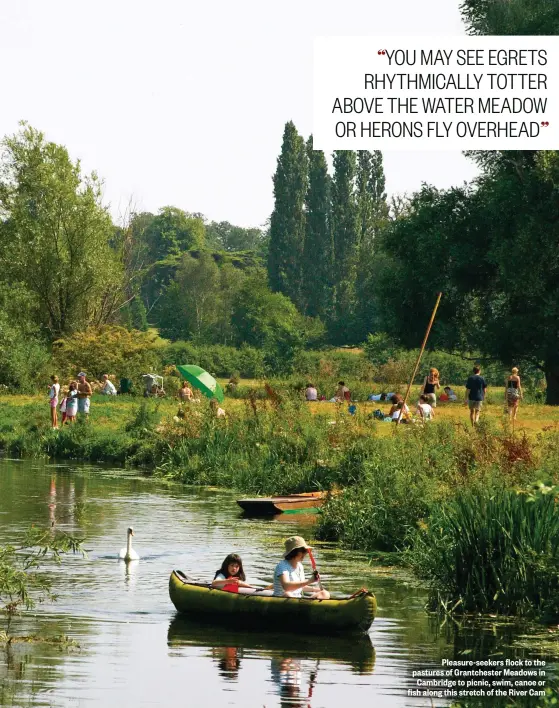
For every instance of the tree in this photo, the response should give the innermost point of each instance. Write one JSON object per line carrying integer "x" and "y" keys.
{"x": 270, "y": 321}
{"x": 373, "y": 218}
{"x": 56, "y": 236}
{"x": 172, "y": 232}
{"x": 345, "y": 230}
{"x": 287, "y": 223}
{"x": 226, "y": 237}
{"x": 107, "y": 350}
{"x": 506, "y": 17}
{"x": 317, "y": 260}
{"x": 189, "y": 306}
{"x": 231, "y": 280}
{"x": 492, "y": 249}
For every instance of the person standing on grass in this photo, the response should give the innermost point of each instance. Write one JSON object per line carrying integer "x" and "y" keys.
{"x": 54, "y": 390}
{"x": 513, "y": 393}
{"x": 72, "y": 402}
{"x": 84, "y": 393}
{"x": 430, "y": 385}
{"x": 475, "y": 394}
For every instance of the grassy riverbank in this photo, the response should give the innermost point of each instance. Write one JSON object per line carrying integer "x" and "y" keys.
{"x": 396, "y": 485}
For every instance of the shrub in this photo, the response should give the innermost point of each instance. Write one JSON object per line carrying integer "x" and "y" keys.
{"x": 108, "y": 350}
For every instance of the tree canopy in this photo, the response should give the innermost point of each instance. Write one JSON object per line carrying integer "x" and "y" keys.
{"x": 492, "y": 248}
{"x": 55, "y": 235}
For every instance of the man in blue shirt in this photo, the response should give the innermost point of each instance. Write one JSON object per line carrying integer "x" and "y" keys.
{"x": 475, "y": 393}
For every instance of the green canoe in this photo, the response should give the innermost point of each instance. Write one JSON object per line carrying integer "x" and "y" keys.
{"x": 261, "y": 610}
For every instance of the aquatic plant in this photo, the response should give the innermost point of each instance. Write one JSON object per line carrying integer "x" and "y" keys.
{"x": 492, "y": 551}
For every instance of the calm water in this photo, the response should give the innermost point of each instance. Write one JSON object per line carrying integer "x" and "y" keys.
{"x": 133, "y": 647}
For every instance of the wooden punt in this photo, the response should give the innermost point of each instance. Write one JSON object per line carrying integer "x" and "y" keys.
{"x": 261, "y": 610}
{"x": 289, "y": 504}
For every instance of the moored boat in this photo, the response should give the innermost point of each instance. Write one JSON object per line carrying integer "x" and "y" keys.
{"x": 288, "y": 504}
{"x": 260, "y": 609}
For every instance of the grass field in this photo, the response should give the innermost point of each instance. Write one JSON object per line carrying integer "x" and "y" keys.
{"x": 114, "y": 412}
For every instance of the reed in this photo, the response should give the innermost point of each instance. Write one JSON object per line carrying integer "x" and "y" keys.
{"x": 492, "y": 552}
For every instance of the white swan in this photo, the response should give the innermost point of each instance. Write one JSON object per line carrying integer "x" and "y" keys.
{"x": 129, "y": 554}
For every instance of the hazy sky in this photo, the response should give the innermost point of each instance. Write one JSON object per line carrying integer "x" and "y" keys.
{"x": 183, "y": 103}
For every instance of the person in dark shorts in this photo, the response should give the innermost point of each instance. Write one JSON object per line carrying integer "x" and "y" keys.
{"x": 475, "y": 394}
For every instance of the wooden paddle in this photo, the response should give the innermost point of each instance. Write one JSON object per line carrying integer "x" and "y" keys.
{"x": 313, "y": 563}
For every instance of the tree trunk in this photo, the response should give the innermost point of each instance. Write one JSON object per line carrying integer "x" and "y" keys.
{"x": 552, "y": 379}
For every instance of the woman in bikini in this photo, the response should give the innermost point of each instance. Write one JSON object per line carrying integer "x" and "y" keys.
{"x": 513, "y": 393}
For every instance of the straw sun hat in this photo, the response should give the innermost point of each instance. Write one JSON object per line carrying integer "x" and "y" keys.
{"x": 294, "y": 542}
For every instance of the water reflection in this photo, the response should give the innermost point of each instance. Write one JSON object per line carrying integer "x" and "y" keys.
{"x": 129, "y": 572}
{"x": 357, "y": 653}
{"x": 228, "y": 661}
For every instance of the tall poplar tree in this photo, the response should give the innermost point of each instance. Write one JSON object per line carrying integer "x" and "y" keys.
{"x": 317, "y": 250}
{"x": 345, "y": 232}
{"x": 287, "y": 223}
{"x": 373, "y": 217}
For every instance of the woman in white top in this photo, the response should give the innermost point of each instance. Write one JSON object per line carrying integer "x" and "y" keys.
{"x": 54, "y": 390}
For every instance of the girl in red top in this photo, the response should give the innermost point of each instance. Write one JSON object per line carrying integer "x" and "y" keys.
{"x": 231, "y": 575}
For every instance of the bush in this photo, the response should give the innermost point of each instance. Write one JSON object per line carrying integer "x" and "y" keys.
{"x": 216, "y": 358}
{"x": 108, "y": 350}
{"x": 25, "y": 361}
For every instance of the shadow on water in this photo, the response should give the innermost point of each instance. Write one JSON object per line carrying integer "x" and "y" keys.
{"x": 357, "y": 653}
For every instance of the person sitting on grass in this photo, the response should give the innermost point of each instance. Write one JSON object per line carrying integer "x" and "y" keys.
{"x": 185, "y": 394}
{"x": 448, "y": 395}
{"x": 397, "y": 406}
{"x": 424, "y": 409}
{"x": 231, "y": 576}
{"x": 343, "y": 393}
{"x": 289, "y": 575}
{"x": 216, "y": 410}
{"x": 311, "y": 394}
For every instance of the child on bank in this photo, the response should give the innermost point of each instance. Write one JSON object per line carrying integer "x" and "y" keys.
{"x": 231, "y": 575}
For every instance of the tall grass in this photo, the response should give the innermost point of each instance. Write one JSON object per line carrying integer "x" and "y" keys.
{"x": 492, "y": 552}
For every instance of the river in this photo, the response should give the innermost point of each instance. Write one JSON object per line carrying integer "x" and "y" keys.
{"x": 133, "y": 648}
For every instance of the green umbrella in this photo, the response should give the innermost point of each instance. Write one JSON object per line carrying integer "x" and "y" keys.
{"x": 201, "y": 380}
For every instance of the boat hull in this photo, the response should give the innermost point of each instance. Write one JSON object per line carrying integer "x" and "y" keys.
{"x": 289, "y": 504}
{"x": 255, "y": 610}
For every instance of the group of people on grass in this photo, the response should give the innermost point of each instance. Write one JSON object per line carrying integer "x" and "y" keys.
{"x": 289, "y": 574}
{"x": 476, "y": 387}
{"x": 185, "y": 394}
{"x": 342, "y": 394}
{"x": 76, "y": 398}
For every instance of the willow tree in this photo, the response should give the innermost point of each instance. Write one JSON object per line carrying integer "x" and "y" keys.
{"x": 56, "y": 237}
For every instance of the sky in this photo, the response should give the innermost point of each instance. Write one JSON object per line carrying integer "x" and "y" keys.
{"x": 184, "y": 103}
